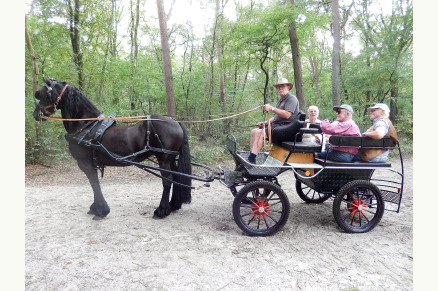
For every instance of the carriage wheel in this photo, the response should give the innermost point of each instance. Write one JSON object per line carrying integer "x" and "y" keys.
{"x": 358, "y": 206}
{"x": 308, "y": 194}
{"x": 261, "y": 208}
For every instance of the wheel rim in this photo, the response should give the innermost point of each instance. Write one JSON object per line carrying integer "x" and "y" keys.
{"x": 359, "y": 207}
{"x": 261, "y": 210}
{"x": 309, "y": 194}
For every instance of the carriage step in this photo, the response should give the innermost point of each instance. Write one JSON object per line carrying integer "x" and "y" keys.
{"x": 229, "y": 176}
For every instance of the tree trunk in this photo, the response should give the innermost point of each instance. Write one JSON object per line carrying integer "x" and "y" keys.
{"x": 32, "y": 58}
{"x": 167, "y": 65}
{"x": 296, "y": 60}
{"x": 75, "y": 39}
{"x": 394, "y": 95}
{"x": 135, "y": 19}
{"x": 263, "y": 59}
{"x": 336, "y": 63}
{"x": 219, "y": 57}
{"x": 315, "y": 75}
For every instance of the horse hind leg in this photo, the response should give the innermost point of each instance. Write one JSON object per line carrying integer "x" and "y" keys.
{"x": 180, "y": 193}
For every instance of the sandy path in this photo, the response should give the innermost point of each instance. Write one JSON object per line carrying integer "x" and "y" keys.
{"x": 200, "y": 247}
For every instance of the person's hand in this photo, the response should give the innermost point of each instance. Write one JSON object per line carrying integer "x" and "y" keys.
{"x": 260, "y": 124}
{"x": 267, "y": 107}
{"x": 317, "y": 139}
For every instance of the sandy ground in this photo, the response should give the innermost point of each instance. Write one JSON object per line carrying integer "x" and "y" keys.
{"x": 199, "y": 247}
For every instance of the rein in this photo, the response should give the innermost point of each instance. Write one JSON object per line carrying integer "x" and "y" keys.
{"x": 267, "y": 148}
{"x": 142, "y": 118}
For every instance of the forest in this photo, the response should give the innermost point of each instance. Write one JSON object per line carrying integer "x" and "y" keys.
{"x": 212, "y": 63}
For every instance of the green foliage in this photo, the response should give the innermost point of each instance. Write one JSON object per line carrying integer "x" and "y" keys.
{"x": 255, "y": 50}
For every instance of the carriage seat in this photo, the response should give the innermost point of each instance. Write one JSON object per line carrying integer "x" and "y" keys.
{"x": 358, "y": 142}
{"x": 324, "y": 162}
{"x": 302, "y": 147}
{"x": 288, "y": 131}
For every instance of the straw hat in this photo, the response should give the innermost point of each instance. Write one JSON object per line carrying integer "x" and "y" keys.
{"x": 282, "y": 81}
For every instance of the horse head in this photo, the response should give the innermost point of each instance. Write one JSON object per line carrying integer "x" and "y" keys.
{"x": 48, "y": 98}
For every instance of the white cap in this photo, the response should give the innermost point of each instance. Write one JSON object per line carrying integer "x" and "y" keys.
{"x": 382, "y": 106}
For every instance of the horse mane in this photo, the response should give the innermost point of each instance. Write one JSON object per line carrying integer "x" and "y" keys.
{"x": 78, "y": 103}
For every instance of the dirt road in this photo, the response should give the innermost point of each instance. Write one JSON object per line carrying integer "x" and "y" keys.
{"x": 200, "y": 247}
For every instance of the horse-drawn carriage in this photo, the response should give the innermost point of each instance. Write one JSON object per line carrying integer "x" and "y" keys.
{"x": 361, "y": 191}
{"x": 260, "y": 206}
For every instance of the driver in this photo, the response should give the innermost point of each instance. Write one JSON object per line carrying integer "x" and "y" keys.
{"x": 286, "y": 110}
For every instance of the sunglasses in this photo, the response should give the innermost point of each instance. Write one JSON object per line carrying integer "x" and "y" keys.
{"x": 338, "y": 111}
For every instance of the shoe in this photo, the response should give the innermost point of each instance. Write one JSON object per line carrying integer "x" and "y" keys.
{"x": 252, "y": 158}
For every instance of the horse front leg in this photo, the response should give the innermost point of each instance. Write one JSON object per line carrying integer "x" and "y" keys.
{"x": 99, "y": 207}
{"x": 164, "y": 209}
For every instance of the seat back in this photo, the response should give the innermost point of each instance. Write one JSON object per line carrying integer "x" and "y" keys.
{"x": 361, "y": 141}
{"x": 287, "y": 132}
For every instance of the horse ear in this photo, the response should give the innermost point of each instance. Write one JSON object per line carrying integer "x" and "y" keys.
{"x": 46, "y": 80}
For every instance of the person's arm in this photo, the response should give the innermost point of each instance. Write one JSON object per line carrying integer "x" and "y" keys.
{"x": 334, "y": 128}
{"x": 280, "y": 112}
{"x": 377, "y": 131}
{"x": 375, "y": 134}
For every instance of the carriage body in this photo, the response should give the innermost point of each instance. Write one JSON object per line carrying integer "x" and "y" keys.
{"x": 361, "y": 191}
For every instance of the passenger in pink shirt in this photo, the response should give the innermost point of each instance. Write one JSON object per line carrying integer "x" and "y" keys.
{"x": 343, "y": 125}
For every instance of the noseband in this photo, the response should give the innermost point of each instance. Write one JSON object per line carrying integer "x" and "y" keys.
{"x": 49, "y": 88}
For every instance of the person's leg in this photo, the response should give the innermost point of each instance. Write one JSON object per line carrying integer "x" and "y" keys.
{"x": 256, "y": 144}
{"x": 321, "y": 155}
{"x": 339, "y": 156}
{"x": 378, "y": 160}
{"x": 357, "y": 158}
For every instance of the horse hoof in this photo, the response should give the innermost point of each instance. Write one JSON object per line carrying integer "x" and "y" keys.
{"x": 97, "y": 218}
{"x": 161, "y": 213}
{"x": 91, "y": 212}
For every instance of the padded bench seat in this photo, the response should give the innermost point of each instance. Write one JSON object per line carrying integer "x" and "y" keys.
{"x": 306, "y": 147}
{"x": 351, "y": 164}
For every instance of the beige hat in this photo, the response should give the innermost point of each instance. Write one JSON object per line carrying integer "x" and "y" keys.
{"x": 282, "y": 81}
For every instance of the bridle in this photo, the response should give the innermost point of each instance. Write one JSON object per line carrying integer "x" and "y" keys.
{"x": 54, "y": 105}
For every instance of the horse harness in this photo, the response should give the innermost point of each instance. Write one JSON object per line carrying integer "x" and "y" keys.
{"x": 54, "y": 105}
{"x": 95, "y": 142}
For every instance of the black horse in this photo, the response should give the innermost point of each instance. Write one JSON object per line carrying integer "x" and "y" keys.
{"x": 160, "y": 136}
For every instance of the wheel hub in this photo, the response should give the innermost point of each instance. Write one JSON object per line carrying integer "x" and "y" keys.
{"x": 358, "y": 206}
{"x": 260, "y": 208}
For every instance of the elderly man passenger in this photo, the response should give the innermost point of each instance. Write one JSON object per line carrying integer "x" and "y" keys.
{"x": 382, "y": 127}
{"x": 343, "y": 125}
{"x": 286, "y": 110}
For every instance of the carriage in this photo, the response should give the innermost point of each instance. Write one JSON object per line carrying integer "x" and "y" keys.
{"x": 260, "y": 207}
{"x": 361, "y": 191}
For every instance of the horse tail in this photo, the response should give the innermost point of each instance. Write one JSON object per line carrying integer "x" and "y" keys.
{"x": 181, "y": 193}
